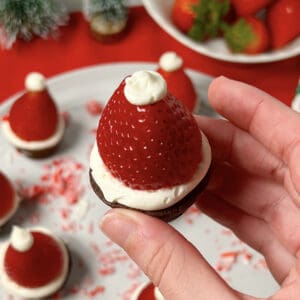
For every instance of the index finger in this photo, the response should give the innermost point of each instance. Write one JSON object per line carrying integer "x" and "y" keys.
{"x": 268, "y": 120}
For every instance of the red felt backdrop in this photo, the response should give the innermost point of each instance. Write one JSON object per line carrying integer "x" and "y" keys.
{"x": 145, "y": 41}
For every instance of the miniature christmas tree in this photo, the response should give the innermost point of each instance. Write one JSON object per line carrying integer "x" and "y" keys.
{"x": 108, "y": 18}
{"x": 27, "y": 18}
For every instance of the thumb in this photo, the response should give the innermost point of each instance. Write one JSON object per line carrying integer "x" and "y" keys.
{"x": 167, "y": 258}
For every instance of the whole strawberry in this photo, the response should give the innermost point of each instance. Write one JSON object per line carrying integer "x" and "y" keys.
{"x": 151, "y": 146}
{"x": 183, "y": 15}
{"x": 249, "y": 7}
{"x": 248, "y": 35}
{"x": 200, "y": 19}
{"x": 283, "y": 18}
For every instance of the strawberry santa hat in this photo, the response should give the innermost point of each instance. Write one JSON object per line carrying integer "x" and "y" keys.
{"x": 178, "y": 82}
{"x": 149, "y": 154}
{"x": 34, "y": 116}
{"x": 147, "y": 291}
{"x": 9, "y": 200}
{"x": 34, "y": 263}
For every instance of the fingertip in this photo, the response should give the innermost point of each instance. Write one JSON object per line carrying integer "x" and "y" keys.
{"x": 215, "y": 87}
{"x": 118, "y": 224}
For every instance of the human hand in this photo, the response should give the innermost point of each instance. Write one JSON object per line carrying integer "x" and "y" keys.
{"x": 254, "y": 190}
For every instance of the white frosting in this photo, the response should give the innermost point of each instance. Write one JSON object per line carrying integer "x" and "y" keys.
{"x": 81, "y": 209}
{"x": 170, "y": 61}
{"x": 115, "y": 191}
{"x": 41, "y": 292}
{"x": 35, "y": 82}
{"x": 34, "y": 145}
{"x": 296, "y": 103}
{"x": 16, "y": 202}
{"x": 21, "y": 239}
{"x": 158, "y": 295}
{"x": 145, "y": 87}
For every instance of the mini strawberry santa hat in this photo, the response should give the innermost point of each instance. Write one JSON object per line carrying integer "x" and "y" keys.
{"x": 147, "y": 291}
{"x": 146, "y": 137}
{"x": 34, "y": 259}
{"x": 9, "y": 200}
{"x": 178, "y": 82}
{"x": 34, "y": 116}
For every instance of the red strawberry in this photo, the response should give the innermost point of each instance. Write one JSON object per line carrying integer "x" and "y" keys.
{"x": 249, "y": 7}
{"x": 34, "y": 117}
{"x": 151, "y": 146}
{"x": 181, "y": 86}
{"x": 7, "y": 196}
{"x": 283, "y": 19}
{"x": 38, "y": 266}
{"x": 248, "y": 35}
{"x": 201, "y": 19}
{"x": 183, "y": 15}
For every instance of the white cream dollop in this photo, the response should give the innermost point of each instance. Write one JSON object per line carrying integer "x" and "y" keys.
{"x": 35, "y": 82}
{"x": 158, "y": 295}
{"x": 296, "y": 103}
{"x": 170, "y": 61}
{"x": 21, "y": 239}
{"x": 145, "y": 87}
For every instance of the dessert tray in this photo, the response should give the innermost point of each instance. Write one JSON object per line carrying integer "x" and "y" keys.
{"x": 57, "y": 195}
{"x": 160, "y": 11}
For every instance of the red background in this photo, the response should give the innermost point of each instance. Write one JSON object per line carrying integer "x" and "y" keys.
{"x": 144, "y": 41}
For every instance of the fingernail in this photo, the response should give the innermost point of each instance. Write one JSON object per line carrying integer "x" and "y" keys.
{"x": 118, "y": 225}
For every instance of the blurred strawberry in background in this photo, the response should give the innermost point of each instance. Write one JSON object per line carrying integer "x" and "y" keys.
{"x": 248, "y": 26}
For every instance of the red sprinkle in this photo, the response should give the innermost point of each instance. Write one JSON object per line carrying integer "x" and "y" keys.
{"x": 94, "y": 108}
{"x": 61, "y": 178}
{"x": 104, "y": 271}
{"x": 96, "y": 291}
{"x": 5, "y": 118}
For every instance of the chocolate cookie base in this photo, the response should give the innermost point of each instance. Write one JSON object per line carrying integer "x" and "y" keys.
{"x": 37, "y": 154}
{"x": 167, "y": 214}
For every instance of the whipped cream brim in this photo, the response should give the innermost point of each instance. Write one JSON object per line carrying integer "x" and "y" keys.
{"x": 34, "y": 145}
{"x": 115, "y": 191}
{"x": 41, "y": 292}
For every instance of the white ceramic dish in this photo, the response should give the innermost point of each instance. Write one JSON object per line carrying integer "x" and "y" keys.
{"x": 160, "y": 11}
{"x": 100, "y": 269}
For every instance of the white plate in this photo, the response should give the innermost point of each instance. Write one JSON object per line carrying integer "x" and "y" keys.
{"x": 160, "y": 11}
{"x": 99, "y": 266}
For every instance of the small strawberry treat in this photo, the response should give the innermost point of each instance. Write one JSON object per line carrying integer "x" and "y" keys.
{"x": 149, "y": 154}
{"x": 147, "y": 291}
{"x": 9, "y": 200}
{"x": 179, "y": 83}
{"x": 34, "y": 263}
{"x": 34, "y": 125}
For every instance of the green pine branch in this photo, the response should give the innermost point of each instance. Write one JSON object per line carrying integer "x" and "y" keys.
{"x": 26, "y": 18}
{"x": 112, "y": 10}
